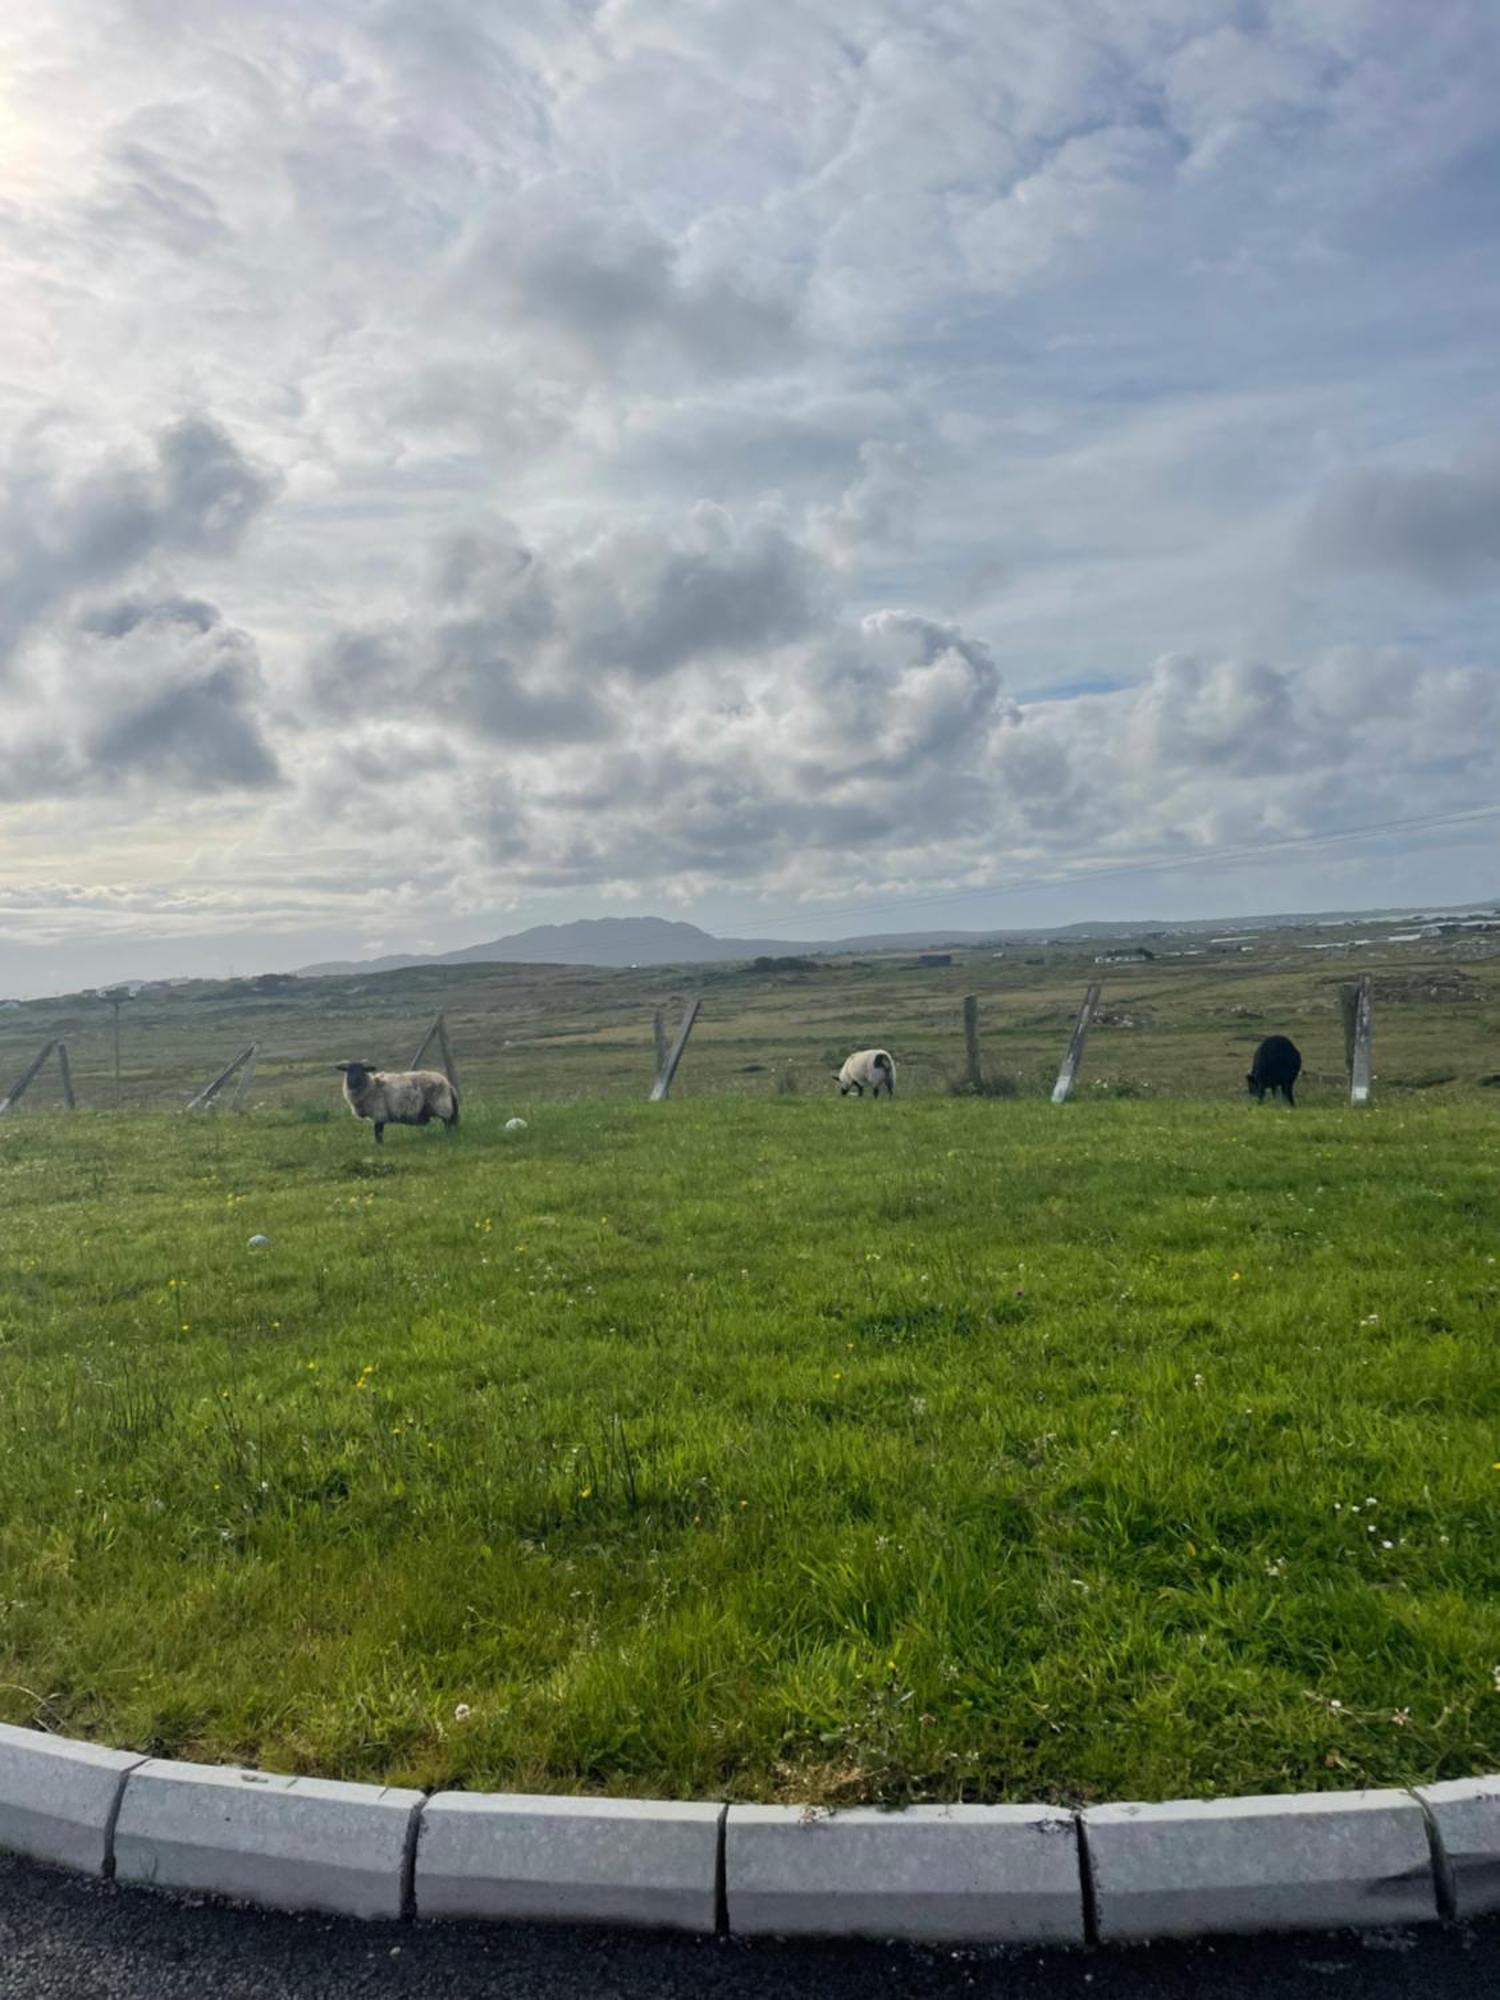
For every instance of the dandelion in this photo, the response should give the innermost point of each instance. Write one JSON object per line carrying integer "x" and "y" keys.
{"x": 838, "y": 1374}
{"x": 584, "y": 1492}
{"x": 1234, "y": 1277}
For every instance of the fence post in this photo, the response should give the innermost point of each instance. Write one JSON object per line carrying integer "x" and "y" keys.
{"x": 1359, "y": 1063}
{"x": 210, "y": 1091}
{"x": 245, "y": 1075}
{"x": 67, "y": 1076}
{"x": 425, "y": 1043}
{"x": 668, "y": 1069}
{"x": 659, "y": 1035}
{"x": 1064, "y": 1085}
{"x": 446, "y": 1052}
{"x": 975, "y": 1074}
{"x": 1349, "y": 1008}
{"x": 23, "y": 1083}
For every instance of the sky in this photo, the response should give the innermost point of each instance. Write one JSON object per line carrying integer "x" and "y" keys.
{"x": 804, "y": 466}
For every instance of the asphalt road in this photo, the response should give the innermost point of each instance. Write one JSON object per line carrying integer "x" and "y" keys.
{"x": 66, "y": 1938}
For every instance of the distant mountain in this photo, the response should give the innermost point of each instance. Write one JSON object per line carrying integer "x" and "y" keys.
{"x": 654, "y": 941}
{"x": 639, "y": 941}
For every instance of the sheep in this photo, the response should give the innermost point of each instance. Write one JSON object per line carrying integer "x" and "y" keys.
{"x": 867, "y": 1068}
{"x": 1276, "y": 1065}
{"x": 398, "y": 1096}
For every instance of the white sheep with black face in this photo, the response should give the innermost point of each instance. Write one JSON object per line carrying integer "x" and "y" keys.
{"x": 867, "y": 1069}
{"x": 398, "y": 1096}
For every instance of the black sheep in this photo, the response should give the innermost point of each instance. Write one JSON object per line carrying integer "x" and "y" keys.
{"x": 1276, "y": 1066}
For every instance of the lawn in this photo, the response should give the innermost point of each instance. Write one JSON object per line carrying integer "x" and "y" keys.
{"x": 776, "y": 1448}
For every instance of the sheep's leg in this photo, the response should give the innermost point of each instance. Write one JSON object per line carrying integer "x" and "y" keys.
{"x": 1291, "y": 1101}
{"x": 379, "y": 1133}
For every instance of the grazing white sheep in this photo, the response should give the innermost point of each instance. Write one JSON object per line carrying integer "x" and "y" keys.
{"x": 399, "y": 1096}
{"x": 867, "y": 1069}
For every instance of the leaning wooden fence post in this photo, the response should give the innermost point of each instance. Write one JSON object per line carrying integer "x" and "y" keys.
{"x": 446, "y": 1052}
{"x": 67, "y": 1076}
{"x": 1359, "y": 1066}
{"x": 974, "y": 1074}
{"x": 23, "y": 1083}
{"x": 659, "y": 1036}
{"x": 1064, "y": 1084}
{"x": 668, "y": 1069}
{"x": 425, "y": 1043}
{"x": 1349, "y": 1009}
{"x": 210, "y": 1091}
{"x": 243, "y": 1086}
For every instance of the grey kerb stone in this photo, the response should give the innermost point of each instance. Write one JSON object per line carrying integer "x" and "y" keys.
{"x": 292, "y": 1843}
{"x": 954, "y": 1872}
{"x": 58, "y": 1798}
{"x": 622, "y": 1861}
{"x": 1315, "y": 1861}
{"x": 1466, "y": 1814}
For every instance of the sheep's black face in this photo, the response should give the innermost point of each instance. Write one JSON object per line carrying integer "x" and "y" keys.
{"x": 356, "y": 1075}
{"x": 1250, "y": 1083}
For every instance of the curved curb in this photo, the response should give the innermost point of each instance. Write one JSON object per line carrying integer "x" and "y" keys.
{"x": 1010, "y": 1874}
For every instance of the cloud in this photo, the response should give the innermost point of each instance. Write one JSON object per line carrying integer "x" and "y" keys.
{"x": 532, "y": 648}
{"x": 566, "y": 263}
{"x": 877, "y": 508}
{"x": 62, "y": 534}
{"x": 857, "y": 374}
{"x": 162, "y": 696}
{"x": 1438, "y": 525}
{"x": 648, "y": 752}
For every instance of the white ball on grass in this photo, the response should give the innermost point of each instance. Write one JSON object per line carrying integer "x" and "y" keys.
{"x": 515, "y": 1124}
{"x": 259, "y": 1242}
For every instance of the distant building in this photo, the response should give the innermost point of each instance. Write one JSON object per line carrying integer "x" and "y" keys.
{"x": 1133, "y": 955}
{"x": 935, "y": 958}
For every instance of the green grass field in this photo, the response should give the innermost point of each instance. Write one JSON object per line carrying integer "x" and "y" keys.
{"x": 777, "y": 1448}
